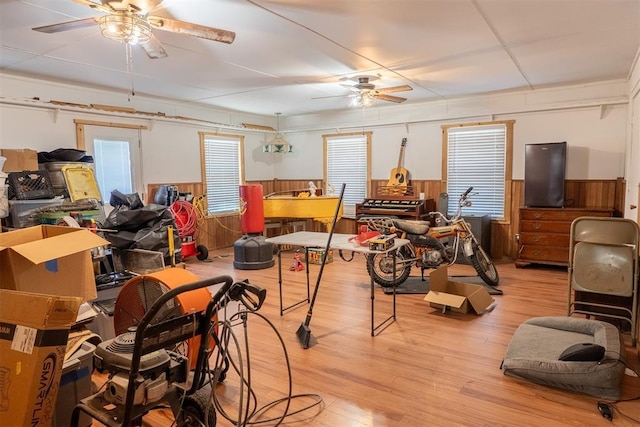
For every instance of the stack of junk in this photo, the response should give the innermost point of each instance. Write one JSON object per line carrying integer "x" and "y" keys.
{"x": 60, "y": 188}
{"x": 252, "y": 251}
{"x": 56, "y": 187}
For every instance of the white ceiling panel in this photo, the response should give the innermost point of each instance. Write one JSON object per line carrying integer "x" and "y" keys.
{"x": 292, "y": 56}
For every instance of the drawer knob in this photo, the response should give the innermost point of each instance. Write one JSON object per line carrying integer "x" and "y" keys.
{"x": 536, "y": 238}
{"x": 537, "y": 215}
{"x": 537, "y": 225}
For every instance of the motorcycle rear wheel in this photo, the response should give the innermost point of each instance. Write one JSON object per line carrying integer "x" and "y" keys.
{"x": 484, "y": 266}
{"x": 380, "y": 269}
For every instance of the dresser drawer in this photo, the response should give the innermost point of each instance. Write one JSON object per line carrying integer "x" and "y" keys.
{"x": 561, "y": 214}
{"x": 550, "y": 239}
{"x": 554, "y": 254}
{"x": 544, "y": 233}
{"x": 562, "y": 227}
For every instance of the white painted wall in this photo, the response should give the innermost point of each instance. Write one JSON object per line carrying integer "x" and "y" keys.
{"x": 597, "y": 136}
{"x": 595, "y": 144}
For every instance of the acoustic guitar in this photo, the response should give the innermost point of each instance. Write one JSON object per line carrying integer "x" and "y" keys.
{"x": 399, "y": 175}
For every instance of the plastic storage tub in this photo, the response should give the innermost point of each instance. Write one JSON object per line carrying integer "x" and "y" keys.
{"x": 75, "y": 384}
{"x": 26, "y": 213}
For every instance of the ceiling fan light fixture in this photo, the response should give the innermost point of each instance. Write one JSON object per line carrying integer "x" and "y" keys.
{"x": 125, "y": 28}
{"x": 364, "y": 99}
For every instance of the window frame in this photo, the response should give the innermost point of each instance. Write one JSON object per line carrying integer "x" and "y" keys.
{"x": 136, "y": 159}
{"x": 368, "y": 138}
{"x": 203, "y": 170}
{"x": 508, "y": 167}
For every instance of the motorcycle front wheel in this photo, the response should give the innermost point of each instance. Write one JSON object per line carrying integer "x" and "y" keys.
{"x": 484, "y": 265}
{"x": 380, "y": 269}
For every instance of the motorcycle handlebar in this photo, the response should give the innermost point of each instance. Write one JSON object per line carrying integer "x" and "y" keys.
{"x": 466, "y": 193}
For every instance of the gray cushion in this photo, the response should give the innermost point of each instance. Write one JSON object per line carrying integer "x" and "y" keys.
{"x": 537, "y": 343}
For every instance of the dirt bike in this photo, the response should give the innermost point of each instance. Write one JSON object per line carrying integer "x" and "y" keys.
{"x": 429, "y": 247}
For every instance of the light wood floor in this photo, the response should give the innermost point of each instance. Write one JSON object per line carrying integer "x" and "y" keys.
{"x": 425, "y": 369}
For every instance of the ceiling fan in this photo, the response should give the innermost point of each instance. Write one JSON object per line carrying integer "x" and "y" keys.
{"x": 128, "y": 21}
{"x": 365, "y": 92}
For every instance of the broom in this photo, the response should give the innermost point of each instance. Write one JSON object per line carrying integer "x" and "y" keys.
{"x": 304, "y": 333}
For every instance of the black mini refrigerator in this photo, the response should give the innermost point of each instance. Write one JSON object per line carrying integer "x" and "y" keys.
{"x": 544, "y": 174}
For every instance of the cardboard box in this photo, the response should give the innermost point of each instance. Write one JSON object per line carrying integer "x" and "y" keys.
{"x": 19, "y": 160}
{"x": 33, "y": 341}
{"x": 382, "y": 243}
{"x": 315, "y": 255}
{"x": 456, "y": 296}
{"x": 50, "y": 260}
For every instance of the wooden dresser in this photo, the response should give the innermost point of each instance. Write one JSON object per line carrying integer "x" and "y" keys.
{"x": 543, "y": 236}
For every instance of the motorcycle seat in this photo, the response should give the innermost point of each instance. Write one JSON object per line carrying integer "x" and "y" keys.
{"x": 412, "y": 226}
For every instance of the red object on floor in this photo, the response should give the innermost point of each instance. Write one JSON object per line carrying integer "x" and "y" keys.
{"x": 188, "y": 249}
{"x": 296, "y": 265}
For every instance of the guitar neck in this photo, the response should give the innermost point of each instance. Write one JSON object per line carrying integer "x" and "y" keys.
{"x": 401, "y": 154}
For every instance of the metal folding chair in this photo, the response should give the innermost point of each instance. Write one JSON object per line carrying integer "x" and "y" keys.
{"x": 603, "y": 269}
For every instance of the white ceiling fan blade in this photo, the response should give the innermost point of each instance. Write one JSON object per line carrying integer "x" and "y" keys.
{"x": 66, "y": 26}
{"x": 331, "y": 96}
{"x": 390, "y": 98}
{"x": 98, "y": 6}
{"x": 402, "y": 88}
{"x": 195, "y": 30}
{"x": 153, "y": 48}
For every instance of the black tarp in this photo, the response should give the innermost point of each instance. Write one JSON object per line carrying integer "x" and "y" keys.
{"x": 142, "y": 227}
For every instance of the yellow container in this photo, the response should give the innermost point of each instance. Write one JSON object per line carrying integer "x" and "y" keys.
{"x": 315, "y": 256}
{"x": 81, "y": 183}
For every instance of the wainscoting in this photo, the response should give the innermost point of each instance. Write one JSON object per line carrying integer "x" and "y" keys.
{"x": 223, "y": 230}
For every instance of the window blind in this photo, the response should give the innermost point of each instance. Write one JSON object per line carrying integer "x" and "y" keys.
{"x": 222, "y": 173}
{"x": 476, "y": 158}
{"x": 113, "y": 167}
{"x": 347, "y": 163}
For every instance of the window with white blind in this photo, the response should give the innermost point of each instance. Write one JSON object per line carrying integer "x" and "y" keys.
{"x": 347, "y": 162}
{"x": 222, "y": 171}
{"x": 478, "y": 156}
{"x": 113, "y": 166}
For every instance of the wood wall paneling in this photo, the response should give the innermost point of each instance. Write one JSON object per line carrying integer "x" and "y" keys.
{"x": 222, "y": 231}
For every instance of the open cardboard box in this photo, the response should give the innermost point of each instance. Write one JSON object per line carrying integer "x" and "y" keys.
{"x": 46, "y": 273}
{"x": 456, "y": 296}
{"x": 50, "y": 260}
